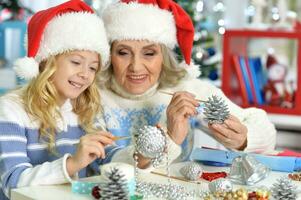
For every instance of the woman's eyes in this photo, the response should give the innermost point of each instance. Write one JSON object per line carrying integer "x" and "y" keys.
{"x": 149, "y": 53}
{"x": 146, "y": 53}
{"x": 122, "y": 52}
{"x": 75, "y": 62}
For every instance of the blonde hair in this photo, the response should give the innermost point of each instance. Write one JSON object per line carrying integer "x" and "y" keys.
{"x": 172, "y": 73}
{"x": 40, "y": 100}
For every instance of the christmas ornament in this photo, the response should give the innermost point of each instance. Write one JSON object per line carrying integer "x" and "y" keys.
{"x": 240, "y": 194}
{"x": 115, "y": 188}
{"x": 284, "y": 189}
{"x": 96, "y": 192}
{"x": 220, "y": 185}
{"x": 247, "y": 170}
{"x": 192, "y": 171}
{"x": 210, "y": 176}
{"x": 163, "y": 191}
{"x": 216, "y": 110}
{"x": 151, "y": 143}
{"x": 295, "y": 176}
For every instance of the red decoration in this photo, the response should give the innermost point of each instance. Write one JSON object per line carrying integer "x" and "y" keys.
{"x": 96, "y": 192}
{"x": 210, "y": 176}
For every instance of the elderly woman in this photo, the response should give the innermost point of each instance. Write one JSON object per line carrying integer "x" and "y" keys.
{"x": 143, "y": 67}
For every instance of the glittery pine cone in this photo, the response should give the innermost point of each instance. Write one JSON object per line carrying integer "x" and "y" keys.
{"x": 284, "y": 189}
{"x": 192, "y": 171}
{"x": 220, "y": 185}
{"x": 150, "y": 142}
{"x": 116, "y": 187}
{"x": 216, "y": 110}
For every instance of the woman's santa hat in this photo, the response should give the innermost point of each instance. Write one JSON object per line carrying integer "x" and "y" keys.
{"x": 69, "y": 26}
{"x": 160, "y": 21}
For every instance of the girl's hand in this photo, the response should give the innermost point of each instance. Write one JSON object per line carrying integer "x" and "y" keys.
{"x": 180, "y": 109}
{"x": 232, "y": 134}
{"x": 90, "y": 147}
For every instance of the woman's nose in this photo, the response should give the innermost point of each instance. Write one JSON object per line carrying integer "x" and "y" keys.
{"x": 136, "y": 63}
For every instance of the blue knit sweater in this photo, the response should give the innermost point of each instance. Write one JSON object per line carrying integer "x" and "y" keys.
{"x": 24, "y": 158}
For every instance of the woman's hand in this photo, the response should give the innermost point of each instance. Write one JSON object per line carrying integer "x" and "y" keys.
{"x": 180, "y": 109}
{"x": 232, "y": 134}
{"x": 90, "y": 147}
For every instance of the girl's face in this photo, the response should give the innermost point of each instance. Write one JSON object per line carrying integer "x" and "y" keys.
{"x": 136, "y": 65}
{"x": 75, "y": 73}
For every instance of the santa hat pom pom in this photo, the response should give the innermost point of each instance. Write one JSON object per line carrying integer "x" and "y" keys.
{"x": 192, "y": 69}
{"x": 26, "y": 68}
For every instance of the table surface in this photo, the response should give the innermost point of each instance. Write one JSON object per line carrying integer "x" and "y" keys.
{"x": 63, "y": 192}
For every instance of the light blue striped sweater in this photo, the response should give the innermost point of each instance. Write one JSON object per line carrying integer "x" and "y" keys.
{"x": 24, "y": 158}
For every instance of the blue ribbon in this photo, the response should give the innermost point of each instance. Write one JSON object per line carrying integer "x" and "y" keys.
{"x": 276, "y": 163}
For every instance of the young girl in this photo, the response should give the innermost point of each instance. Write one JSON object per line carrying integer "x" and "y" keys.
{"x": 43, "y": 125}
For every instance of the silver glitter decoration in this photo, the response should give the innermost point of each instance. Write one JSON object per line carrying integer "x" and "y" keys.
{"x": 192, "y": 171}
{"x": 164, "y": 191}
{"x": 151, "y": 143}
{"x": 220, "y": 185}
{"x": 284, "y": 189}
{"x": 155, "y": 190}
{"x": 216, "y": 110}
{"x": 247, "y": 170}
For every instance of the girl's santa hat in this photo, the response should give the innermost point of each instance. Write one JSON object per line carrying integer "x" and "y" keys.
{"x": 69, "y": 26}
{"x": 160, "y": 21}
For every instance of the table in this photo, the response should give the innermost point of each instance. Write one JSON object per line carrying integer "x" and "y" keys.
{"x": 63, "y": 192}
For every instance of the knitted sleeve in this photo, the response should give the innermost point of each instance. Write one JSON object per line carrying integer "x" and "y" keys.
{"x": 16, "y": 169}
{"x": 126, "y": 155}
{"x": 261, "y": 135}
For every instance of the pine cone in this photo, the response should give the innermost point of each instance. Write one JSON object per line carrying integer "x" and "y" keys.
{"x": 192, "y": 171}
{"x": 115, "y": 188}
{"x": 216, "y": 110}
{"x": 284, "y": 189}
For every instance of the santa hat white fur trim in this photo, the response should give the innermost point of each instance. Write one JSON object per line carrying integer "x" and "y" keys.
{"x": 151, "y": 23}
{"x": 67, "y": 32}
{"x": 192, "y": 69}
{"x": 74, "y": 31}
{"x": 26, "y": 68}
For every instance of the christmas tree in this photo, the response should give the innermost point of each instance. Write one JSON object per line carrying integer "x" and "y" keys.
{"x": 206, "y": 26}
{"x": 15, "y": 8}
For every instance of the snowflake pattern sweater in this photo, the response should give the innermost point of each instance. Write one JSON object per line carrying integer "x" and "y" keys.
{"x": 125, "y": 113}
{"x": 24, "y": 158}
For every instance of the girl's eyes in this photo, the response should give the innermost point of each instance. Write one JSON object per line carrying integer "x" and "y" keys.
{"x": 94, "y": 69}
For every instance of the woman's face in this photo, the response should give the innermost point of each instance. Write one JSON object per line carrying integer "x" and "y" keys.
{"x": 75, "y": 73}
{"x": 136, "y": 64}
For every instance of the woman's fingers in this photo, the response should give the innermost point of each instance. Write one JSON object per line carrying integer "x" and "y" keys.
{"x": 184, "y": 96}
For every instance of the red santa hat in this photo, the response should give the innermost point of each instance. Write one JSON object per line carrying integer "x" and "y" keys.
{"x": 69, "y": 26}
{"x": 160, "y": 21}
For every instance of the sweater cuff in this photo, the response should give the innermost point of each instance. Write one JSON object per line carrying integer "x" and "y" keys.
{"x": 69, "y": 179}
{"x": 174, "y": 150}
{"x": 257, "y": 144}
{"x": 126, "y": 155}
